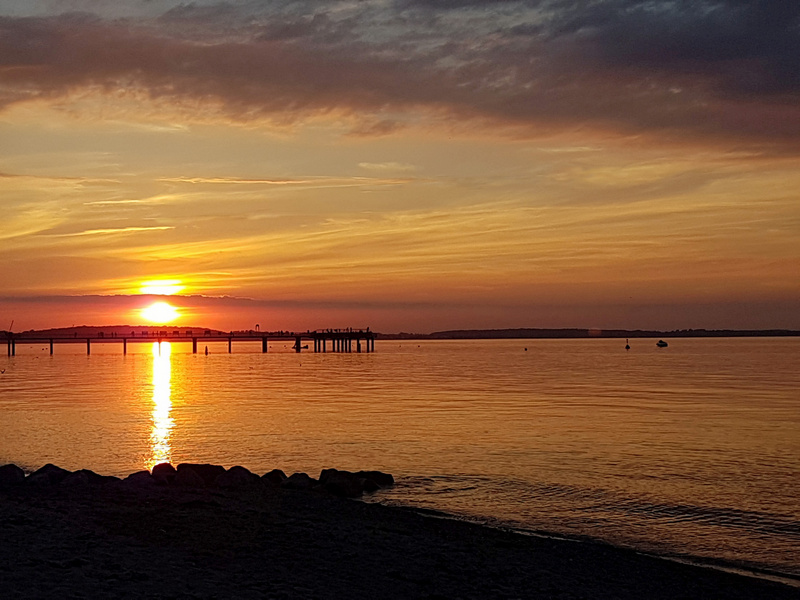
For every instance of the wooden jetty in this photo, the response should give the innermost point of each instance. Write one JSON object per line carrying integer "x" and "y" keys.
{"x": 338, "y": 340}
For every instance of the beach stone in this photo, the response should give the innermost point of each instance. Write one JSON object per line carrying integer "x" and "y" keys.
{"x": 11, "y": 475}
{"x": 85, "y": 477}
{"x": 274, "y": 477}
{"x": 342, "y": 483}
{"x": 237, "y": 477}
{"x": 164, "y": 473}
{"x": 47, "y": 475}
{"x": 299, "y": 481}
{"x": 188, "y": 477}
{"x": 140, "y": 478}
{"x": 208, "y": 473}
{"x": 381, "y": 479}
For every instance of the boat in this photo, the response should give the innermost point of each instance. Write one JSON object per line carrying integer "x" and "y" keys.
{"x": 662, "y": 344}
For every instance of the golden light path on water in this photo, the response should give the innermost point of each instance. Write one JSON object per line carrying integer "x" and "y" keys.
{"x": 162, "y": 404}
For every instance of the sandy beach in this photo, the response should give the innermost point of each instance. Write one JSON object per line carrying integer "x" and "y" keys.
{"x": 121, "y": 539}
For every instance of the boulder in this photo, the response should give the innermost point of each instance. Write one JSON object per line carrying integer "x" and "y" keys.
{"x": 237, "y": 477}
{"x": 342, "y": 483}
{"x": 188, "y": 477}
{"x": 299, "y": 481}
{"x": 274, "y": 477}
{"x": 11, "y": 475}
{"x": 164, "y": 473}
{"x": 47, "y": 475}
{"x": 140, "y": 478}
{"x": 382, "y": 480}
{"x": 85, "y": 477}
{"x": 208, "y": 473}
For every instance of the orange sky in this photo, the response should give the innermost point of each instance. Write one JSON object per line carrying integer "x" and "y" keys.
{"x": 401, "y": 166}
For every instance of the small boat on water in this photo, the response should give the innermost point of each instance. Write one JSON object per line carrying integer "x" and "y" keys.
{"x": 662, "y": 344}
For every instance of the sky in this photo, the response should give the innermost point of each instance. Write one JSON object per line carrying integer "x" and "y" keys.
{"x": 408, "y": 165}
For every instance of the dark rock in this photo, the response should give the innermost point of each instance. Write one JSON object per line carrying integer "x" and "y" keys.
{"x": 47, "y": 475}
{"x": 11, "y": 475}
{"x": 85, "y": 477}
{"x": 140, "y": 478}
{"x": 237, "y": 477}
{"x": 382, "y": 480}
{"x": 370, "y": 486}
{"x": 274, "y": 477}
{"x": 342, "y": 483}
{"x": 299, "y": 481}
{"x": 188, "y": 477}
{"x": 164, "y": 473}
{"x": 208, "y": 473}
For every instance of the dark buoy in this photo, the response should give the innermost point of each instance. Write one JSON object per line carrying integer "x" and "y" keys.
{"x": 627, "y": 345}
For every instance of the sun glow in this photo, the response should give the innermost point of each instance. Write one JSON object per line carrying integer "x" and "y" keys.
{"x": 161, "y": 287}
{"x": 160, "y": 313}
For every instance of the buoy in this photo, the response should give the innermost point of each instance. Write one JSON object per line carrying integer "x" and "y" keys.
{"x": 206, "y": 350}
{"x": 627, "y": 345}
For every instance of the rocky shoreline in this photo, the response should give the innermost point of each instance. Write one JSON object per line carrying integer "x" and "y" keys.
{"x": 203, "y": 531}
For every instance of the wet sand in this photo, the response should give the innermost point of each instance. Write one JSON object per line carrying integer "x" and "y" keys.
{"x": 119, "y": 540}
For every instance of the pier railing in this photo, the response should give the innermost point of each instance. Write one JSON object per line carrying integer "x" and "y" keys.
{"x": 338, "y": 340}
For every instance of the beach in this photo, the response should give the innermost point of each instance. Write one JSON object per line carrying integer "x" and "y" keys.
{"x": 87, "y": 538}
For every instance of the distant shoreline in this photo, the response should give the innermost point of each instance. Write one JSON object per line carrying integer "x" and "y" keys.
{"x": 503, "y": 334}
{"x": 455, "y": 334}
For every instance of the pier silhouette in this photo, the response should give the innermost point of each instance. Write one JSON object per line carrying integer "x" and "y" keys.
{"x": 334, "y": 340}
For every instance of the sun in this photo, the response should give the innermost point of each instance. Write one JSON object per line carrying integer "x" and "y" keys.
{"x": 160, "y": 313}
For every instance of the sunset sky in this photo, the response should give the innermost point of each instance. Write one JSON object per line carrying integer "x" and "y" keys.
{"x": 408, "y": 165}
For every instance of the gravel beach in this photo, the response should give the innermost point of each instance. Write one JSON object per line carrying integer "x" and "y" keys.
{"x": 120, "y": 539}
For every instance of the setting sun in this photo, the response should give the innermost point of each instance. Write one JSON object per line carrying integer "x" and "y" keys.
{"x": 160, "y": 313}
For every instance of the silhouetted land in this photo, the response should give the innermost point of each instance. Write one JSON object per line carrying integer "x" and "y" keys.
{"x": 115, "y": 540}
{"x": 456, "y": 334}
{"x": 524, "y": 333}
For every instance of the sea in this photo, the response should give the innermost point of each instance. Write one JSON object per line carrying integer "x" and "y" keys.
{"x": 690, "y": 452}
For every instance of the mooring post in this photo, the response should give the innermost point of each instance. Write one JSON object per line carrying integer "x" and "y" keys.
{"x": 88, "y": 346}
{"x": 297, "y": 343}
{"x": 13, "y": 347}
{"x": 51, "y": 347}
{"x": 125, "y": 346}
{"x": 230, "y": 345}
{"x": 194, "y": 345}
{"x": 264, "y": 344}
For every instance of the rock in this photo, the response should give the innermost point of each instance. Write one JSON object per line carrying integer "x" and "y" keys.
{"x": 208, "y": 473}
{"x": 188, "y": 477}
{"x": 382, "y": 480}
{"x": 342, "y": 483}
{"x": 237, "y": 477}
{"x": 299, "y": 481}
{"x": 164, "y": 473}
{"x": 370, "y": 486}
{"x": 140, "y": 478}
{"x": 47, "y": 475}
{"x": 85, "y": 477}
{"x": 11, "y": 475}
{"x": 274, "y": 477}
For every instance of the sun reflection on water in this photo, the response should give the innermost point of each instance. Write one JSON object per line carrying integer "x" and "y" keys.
{"x": 162, "y": 403}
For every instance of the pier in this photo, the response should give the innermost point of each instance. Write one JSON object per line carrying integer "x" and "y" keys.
{"x": 327, "y": 340}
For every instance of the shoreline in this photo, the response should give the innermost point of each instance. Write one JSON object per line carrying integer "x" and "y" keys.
{"x": 126, "y": 538}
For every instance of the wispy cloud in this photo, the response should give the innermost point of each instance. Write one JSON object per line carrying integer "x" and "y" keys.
{"x": 115, "y": 230}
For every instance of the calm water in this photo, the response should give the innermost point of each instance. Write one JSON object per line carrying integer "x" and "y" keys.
{"x": 689, "y": 451}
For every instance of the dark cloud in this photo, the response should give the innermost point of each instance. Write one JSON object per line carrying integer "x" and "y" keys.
{"x": 711, "y": 70}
